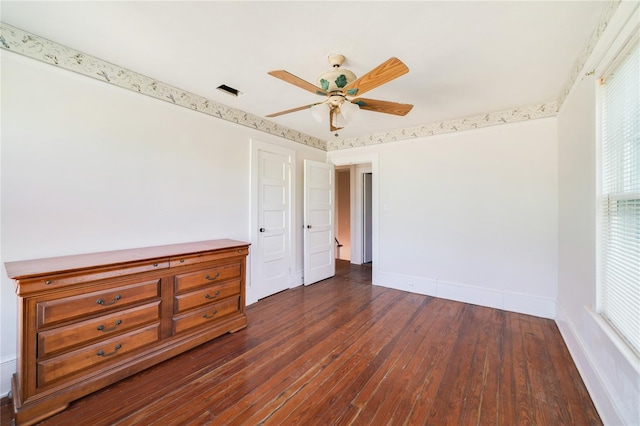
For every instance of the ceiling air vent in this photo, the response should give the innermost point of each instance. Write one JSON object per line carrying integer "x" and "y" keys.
{"x": 229, "y": 90}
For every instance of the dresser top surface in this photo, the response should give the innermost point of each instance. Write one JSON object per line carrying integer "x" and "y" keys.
{"x": 35, "y": 267}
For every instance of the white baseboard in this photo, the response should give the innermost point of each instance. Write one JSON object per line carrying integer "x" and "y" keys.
{"x": 7, "y": 368}
{"x": 493, "y": 298}
{"x": 296, "y": 280}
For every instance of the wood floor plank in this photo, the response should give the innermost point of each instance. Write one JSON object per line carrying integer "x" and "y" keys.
{"x": 535, "y": 352}
{"x": 418, "y": 371}
{"x": 479, "y": 403}
{"x": 522, "y": 409}
{"x": 438, "y": 355}
{"x": 345, "y": 352}
{"x": 506, "y": 396}
{"x": 449, "y": 400}
{"x": 388, "y": 388}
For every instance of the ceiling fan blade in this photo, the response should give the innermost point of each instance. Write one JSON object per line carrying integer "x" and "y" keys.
{"x": 383, "y": 106}
{"x": 297, "y": 81}
{"x": 383, "y": 73}
{"x": 276, "y": 114}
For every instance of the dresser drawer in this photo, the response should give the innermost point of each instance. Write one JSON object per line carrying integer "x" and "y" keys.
{"x": 94, "y": 355}
{"x": 61, "y": 281}
{"x": 190, "y": 280}
{"x": 206, "y": 315}
{"x": 53, "y": 311}
{"x": 207, "y": 257}
{"x": 205, "y": 296}
{"x": 66, "y": 337}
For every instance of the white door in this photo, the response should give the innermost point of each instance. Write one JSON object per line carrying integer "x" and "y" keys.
{"x": 274, "y": 201}
{"x": 319, "y": 256}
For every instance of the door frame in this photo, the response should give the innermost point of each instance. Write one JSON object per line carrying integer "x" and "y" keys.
{"x": 253, "y": 293}
{"x": 366, "y": 216}
{"x": 355, "y": 161}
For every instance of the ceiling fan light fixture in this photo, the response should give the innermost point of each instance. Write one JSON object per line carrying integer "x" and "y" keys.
{"x": 339, "y": 120}
{"x": 348, "y": 110}
{"x": 319, "y": 111}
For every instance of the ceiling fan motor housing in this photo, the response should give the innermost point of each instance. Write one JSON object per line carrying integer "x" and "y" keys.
{"x": 336, "y": 78}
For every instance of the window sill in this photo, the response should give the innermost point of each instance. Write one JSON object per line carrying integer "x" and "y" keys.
{"x": 617, "y": 341}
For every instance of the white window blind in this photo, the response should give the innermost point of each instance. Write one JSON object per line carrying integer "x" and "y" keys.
{"x": 619, "y": 288}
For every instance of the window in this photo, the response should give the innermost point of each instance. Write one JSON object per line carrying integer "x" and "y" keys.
{"x": 619, "y": 286}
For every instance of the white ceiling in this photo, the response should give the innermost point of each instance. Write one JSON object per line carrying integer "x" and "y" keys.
{"x": 465, "y": 58}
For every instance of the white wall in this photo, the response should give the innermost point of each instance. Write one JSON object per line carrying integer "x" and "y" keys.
{"x": 470, "y": 216}
{"x": 90, "y": 167}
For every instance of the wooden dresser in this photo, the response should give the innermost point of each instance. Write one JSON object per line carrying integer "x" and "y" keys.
{"x": 89, "y": 320}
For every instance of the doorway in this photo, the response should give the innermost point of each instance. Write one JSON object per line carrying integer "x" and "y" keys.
{"x": 355, "y": 213}
{"x": 343, "y": 213}
{"x": 358, "y": 165}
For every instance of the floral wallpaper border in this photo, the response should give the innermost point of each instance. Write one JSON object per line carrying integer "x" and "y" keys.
{"x": 33, "y": 46}
{"x": 16, "y": 40}
{"x": 468, "y": 123}
{"x": 581, "y": 61}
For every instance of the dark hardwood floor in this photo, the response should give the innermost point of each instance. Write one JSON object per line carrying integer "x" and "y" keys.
{"x": 345, "y": 352}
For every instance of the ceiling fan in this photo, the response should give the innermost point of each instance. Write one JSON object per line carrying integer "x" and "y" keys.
{"x": 342, "y": 90}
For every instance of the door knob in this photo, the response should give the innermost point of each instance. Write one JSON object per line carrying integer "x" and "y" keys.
{"x": 262, "y": 229}
{"x": 308, "y": 226}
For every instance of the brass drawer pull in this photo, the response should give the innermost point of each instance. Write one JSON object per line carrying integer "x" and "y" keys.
{"x": 213, "y": 314}
{"x": 214, "y": 277}
{"x": 103, "y": 303}
{"x": 101, "y": 353}
{"x": 101, "y": 327}
{"x": 214, "y": 295}
{"x": 48, "y": 282}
